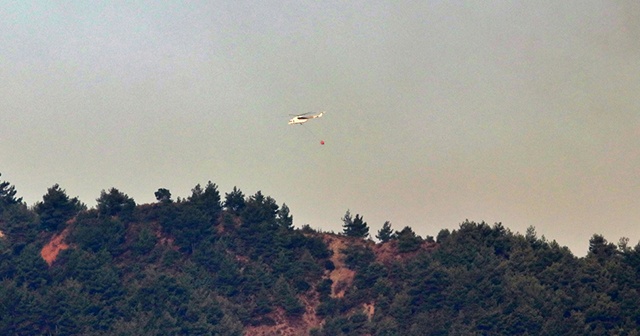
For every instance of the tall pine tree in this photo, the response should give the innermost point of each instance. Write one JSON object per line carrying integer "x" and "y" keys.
{"x": 354, "y": 226}
{"x": 7, "y": 194}
{"x": 56, "y": 208}
{"x": 385, "y": 233}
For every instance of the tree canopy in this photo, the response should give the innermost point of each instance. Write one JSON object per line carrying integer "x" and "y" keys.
{"x": 201, "y": 266}
{"x": 354, "y": 226}
{"x": 8, "y": 194}
{"x": 56, "y": 208}
{"x": 114, "y": 202}
{"x": 385, "y": 233}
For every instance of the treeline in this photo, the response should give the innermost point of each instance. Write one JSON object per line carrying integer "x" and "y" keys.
{"x": 217, "y": 265}
{"x": 486, "y": 280}
{"x": 200, "y": 265}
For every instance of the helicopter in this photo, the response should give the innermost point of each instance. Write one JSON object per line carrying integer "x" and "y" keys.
{"x": 303, "y": 118}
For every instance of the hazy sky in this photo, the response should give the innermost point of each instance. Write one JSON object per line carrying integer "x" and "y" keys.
{"x": 520, "y": 112}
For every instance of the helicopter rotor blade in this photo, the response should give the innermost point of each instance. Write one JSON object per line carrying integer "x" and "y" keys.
{"x": 299, "y": 115}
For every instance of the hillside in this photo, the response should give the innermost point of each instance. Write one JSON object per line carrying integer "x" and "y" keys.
{"x": 209, "y": 265}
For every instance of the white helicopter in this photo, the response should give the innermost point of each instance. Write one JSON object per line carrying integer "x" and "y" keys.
{"x": 303, "y": 118}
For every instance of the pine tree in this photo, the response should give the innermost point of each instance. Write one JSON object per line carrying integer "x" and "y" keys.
{"x": 207, "y": 200}
{"x": 283, "y": 218}
{"x": 7, "y": 194}
{"x": 234, "y": 201}
{"x": 114, "y": 202}
{"x": 354, "y": 226}
{"x": 56, "y": 208}
{"x": 163, "y": 195}
{"x": 408, "y": 240}
{"x": 386, "y": 233}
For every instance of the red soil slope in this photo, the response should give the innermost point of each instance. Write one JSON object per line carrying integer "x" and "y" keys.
{"x": 50, "y": 251}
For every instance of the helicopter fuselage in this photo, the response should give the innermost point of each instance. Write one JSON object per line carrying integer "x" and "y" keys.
{"x": 301, "y": 119}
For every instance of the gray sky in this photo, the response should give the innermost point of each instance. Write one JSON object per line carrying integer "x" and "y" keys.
{"x": 522, "y": 112}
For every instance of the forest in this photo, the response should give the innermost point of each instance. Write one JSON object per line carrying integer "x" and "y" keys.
{"x": 234, "y": 264}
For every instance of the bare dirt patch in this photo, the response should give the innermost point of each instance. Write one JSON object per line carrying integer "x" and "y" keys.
{"x": 369, "y": 309}
{"x": 341, "y": 276}
{"x": 50, "y": 251}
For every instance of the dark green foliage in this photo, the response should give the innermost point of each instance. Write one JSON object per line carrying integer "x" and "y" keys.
{"x": 367, "y": 276}
{"x": 258, "y": 209}
{"x": 188, "y": 225}
{"x": 284, "y": 219}
{"x": 388, "y": 326}
{"x": 260, "y": 234}
{"x": 21, "y": 310}
{"x": 163, "y": 195}
{"x": 72, "y": 312}
{"x": 144, "y": 242}
{"x": 385, "y": 233}
{"x": 115, "y": 203}
{"x": 354, "y": 226}
{"x": 96, "y": 233}
{"x": 358, "y": 257}
{"x": 30, "y": 268}
{"x": 8, "y": 195}
{"x": 317, "y": 247}
{"x": 170, "y": 257}
{"x": 324, "y": 289}
{"x": 328, "y": 307}
{"x": 191, "y": 267}
{"x": 19, "y": 224}
{"x": 56, "y": 208}
{"x": 356, "y": 324}
{"x": 408, "y": 241}
{"x": 207, "y": 201}
{"x": 600, "y": 249}
{"x": 264, "y": 303}
{"x": 329, "y": 265}
{"x": 443, "y": 235}
{"x": 234, "y": 201}
{"x": 486, "y": 280}
{"x": 286, "y": 297}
